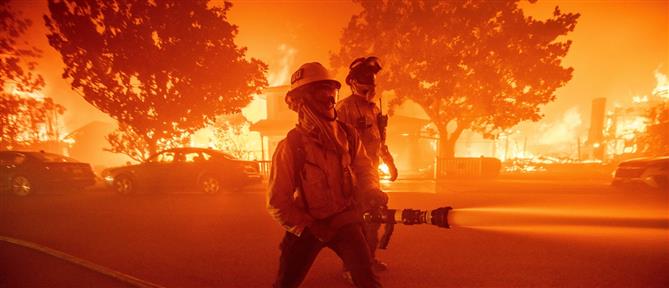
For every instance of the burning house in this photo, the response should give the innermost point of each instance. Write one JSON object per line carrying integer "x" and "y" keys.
{"x": 30, "y": 121}
{"x": 88, "y": 143}
{"x": 625, "y": 125}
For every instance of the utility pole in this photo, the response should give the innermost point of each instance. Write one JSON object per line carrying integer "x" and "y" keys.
{"x": 525, "y": 147}
{"x": 494, "y": 146}
{"x": 578, "y": 148}
{"x": 506, "y": 148}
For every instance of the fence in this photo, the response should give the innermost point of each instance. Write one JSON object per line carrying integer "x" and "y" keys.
{"x": 264, "y": 168}
{"x": 482, "y": 167}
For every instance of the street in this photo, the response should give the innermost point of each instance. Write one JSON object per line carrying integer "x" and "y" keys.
{"x": 506, "y": 233}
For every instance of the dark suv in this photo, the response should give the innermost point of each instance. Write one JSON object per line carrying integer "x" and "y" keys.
{"x": 652, "y": 172}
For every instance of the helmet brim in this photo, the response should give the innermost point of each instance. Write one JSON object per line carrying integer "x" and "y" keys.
{"x": 335, "y": 82}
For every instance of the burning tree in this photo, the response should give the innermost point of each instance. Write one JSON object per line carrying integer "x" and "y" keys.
{"x": 479, "y": 65}
{"x": 24, "y": 119}
{"x": 17, "y": 62}
{"x": 232, "y": 135}
{"x": 162, "y": 69}
{"x": 654, "y": 141}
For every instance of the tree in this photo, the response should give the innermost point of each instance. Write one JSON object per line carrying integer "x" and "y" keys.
{"x": 654, "y": 141}
{"x": 126, "y": 140}
{"x": 24, "y": 120}
{"x": 17, "y": 60}
{"x": 162, "y": 69}
{"x": 479, "y": 65}
{"x": 232, "y": 135}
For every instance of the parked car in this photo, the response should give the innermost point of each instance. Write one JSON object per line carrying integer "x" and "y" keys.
{"x": 652, "y": 172}
{"x": 23, "y": 172}
{"x": 205, "y": 170}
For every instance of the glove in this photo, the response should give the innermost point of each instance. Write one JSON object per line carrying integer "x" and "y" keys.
{"x": 390, "y": 162}
{"x": 321, "y": 231}
{"x": 393, "y": 171}
{"x": 378, "y": 200}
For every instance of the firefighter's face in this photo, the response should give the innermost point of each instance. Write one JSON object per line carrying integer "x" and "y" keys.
{"x": 366, "y": 91}
{"x": 323, "y": 98}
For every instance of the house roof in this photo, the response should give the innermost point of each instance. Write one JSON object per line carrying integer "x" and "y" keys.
{"x": 269, "y": 127}
{"x": 94, "y": 126}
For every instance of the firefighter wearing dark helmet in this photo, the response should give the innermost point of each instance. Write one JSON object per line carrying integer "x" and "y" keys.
{"x": 361, "y": 111}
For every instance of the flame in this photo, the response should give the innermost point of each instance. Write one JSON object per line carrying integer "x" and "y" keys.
{"x": 662, "y": 87}
{"x": 245, "y": 145}
{"x": 43, "y": 134}
{"x": 15, "y": 91}
{"x": 384, "y": 173}
{"x": 203, "y": 138}
{"x": 383, "y": 168}
{"x": 281, "y": 76}
{"x": 640, "y": 99}
{"x": 628, "y": 128}
{"x": 50, "y": 129}
{"x": 564, "y": 130}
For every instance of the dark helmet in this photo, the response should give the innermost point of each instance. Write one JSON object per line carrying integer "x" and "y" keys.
{"x": 363, "y": 70}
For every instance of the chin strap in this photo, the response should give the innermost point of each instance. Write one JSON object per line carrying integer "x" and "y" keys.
{"x": 380, "y": 105}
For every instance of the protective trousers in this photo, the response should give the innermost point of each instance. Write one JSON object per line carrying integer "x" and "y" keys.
{"x": 372, "y": 235}
{"x": 299, "y": 252}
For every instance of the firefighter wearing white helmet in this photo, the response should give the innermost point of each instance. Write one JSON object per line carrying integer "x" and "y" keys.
{"x": 320, "y": 183}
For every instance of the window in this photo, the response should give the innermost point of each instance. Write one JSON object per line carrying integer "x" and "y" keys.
{"x": 165, "y": 157}
{"x": 206, "y": 156}
{"x": 19, "y": 158}
{"x": 193, "y": 157}
{"x": 52, "y": 158}
{"x": 11, "y": 159}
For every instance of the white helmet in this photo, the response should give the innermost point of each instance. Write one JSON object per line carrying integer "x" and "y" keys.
{"x": 308, "y": 73}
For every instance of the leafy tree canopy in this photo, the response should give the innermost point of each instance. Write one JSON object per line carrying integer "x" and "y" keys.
{"x": 25, "y": 121}
{"x": 655, "y": 140}
{"x": 17, "y": 59}
{"x": 480, "y": 65}
{"x": 232, "y": 135}
{"x": 163, "y": 69}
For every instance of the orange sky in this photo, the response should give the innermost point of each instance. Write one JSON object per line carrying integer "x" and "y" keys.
{"x": 617, "y": 47}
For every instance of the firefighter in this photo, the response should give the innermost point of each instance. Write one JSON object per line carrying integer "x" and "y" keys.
{"x": 361, "y": 111}
{"x": 320, "y": 182}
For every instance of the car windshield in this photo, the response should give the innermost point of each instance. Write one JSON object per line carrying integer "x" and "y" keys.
{"x": 52, "y": 158}
{"x": 163, "y": 157}
{"x": 224, "y": 155}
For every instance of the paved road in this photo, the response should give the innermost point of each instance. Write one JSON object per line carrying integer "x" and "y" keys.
{"x": 511, "y": 233}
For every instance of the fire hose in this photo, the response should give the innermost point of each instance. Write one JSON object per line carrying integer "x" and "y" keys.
{"x": 134, "y": 281}
{"x": 390, "y": 217}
